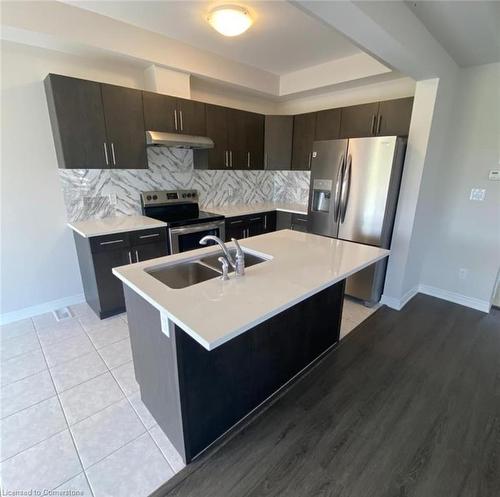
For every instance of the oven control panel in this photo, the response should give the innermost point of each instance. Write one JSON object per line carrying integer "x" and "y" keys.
{"x": 169, "y": 197}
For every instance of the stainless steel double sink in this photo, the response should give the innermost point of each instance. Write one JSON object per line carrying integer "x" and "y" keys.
{"x": 192, "y": 272}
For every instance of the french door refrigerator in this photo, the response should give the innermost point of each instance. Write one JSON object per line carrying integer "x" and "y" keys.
{"x": 353, "y": 195}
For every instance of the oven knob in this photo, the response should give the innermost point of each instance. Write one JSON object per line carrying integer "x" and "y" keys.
{"x": 183, "y": 195}
{"x": 148, "y": 197}
{"x": 155, "y": 197}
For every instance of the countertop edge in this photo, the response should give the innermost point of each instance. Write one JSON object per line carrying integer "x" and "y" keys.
{"x": 156, "y": 224}
{"x": 229, "y": 336}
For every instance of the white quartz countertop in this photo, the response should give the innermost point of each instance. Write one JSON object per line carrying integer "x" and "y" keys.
{"x": 244, "y": 209}
{"x": 118, "y": 224}
{"x": 215, "y": 311}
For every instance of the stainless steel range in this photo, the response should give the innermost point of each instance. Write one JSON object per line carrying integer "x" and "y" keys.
{"x": 186, "y": 224}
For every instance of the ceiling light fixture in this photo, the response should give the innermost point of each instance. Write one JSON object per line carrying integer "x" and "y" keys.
{"x": 230, "y": 20}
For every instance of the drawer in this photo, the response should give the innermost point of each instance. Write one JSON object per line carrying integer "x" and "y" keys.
{"x": 153, "y": 235}
{"x": 110, "y": 242}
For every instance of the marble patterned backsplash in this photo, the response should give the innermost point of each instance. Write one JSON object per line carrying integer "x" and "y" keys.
{"x": 98, "y": 193}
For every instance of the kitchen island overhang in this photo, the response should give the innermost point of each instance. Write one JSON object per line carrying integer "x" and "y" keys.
{"x": 207, "y": 355}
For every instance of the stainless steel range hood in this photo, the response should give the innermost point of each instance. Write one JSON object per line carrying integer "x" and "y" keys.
{"x": 175, "y": 140}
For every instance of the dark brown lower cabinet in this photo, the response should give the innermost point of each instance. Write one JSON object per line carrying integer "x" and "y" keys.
{"x": 250, "y": 225}
{"x": 289, "y": 221}
{"x": 97, "y": 256}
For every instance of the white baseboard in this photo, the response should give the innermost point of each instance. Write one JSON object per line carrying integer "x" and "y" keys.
{"x": 35, "y": 310}
{"x": 457, "y": 298}
{"x": 398, "y": 304}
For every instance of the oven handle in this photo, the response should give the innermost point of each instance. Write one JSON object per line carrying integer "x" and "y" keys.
{"x": 195, "y": 228}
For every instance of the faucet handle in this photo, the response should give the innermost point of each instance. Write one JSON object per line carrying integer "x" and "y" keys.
{"x": 225, "y": 268}
{"x": 239, "y": 252}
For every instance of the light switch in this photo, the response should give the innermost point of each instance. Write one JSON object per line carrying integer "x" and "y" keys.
{"x": 477, "y": 194}
{"x": 494, "y": 175}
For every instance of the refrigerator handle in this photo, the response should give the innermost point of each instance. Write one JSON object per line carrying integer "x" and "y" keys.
{"x": 346, "y": 187}
{"x": 338, "y": 188}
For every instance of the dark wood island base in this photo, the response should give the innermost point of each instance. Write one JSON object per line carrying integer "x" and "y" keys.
{"x": 196, "y": 395}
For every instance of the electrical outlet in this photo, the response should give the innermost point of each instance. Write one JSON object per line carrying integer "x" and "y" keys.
{"x": 463, "y": 273}
{"x": 477, "y": 194}
{"x": 494, "y": 175}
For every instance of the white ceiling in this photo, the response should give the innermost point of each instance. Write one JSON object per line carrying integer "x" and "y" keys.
{"x": 468, "y": 30}
{"x": 283, "y": 38}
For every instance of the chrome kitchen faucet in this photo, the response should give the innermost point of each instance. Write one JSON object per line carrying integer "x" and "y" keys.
{"x": 238, "y": 263}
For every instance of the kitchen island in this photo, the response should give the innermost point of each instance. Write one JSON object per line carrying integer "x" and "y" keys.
{"x": 207, "y": 352}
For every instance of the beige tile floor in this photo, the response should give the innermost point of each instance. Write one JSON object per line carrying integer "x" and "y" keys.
{"x": 71, "y": 413}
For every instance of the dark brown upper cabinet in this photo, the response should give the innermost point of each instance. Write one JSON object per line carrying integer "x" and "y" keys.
{"x": 124, "y": 117}
{"x": 174, "y": 115}
{"x": 304, "y": 129}
{"x": 389, "y": 118}
{"x": 278, "y": 134}
{"x": 394, "y": 117}
{"x": 77, "y": 119}
{"x": 359, "y": 120}
{"x": 253, "y": 157}
{"x": 328, "y": 124}
{"x": 238, "y": 139}
{"x": 217, "y": 157}
{"x": 95, "y": 125}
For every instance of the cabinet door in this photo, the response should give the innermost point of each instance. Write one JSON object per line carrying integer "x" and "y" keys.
{"x": 358, "y": 120}
{"x": 278, "y": 142}
{"x": 270, "y": 221}
{"x": 236, "y": 139}
{"x": 394, "y": 117}
{"x": 160, "y": 112}
{"x": 283, "y": 220}
{"x": 148, "y": 251}
{"x": 254, "y": 138}
{"x": 77, "y": 119}
{"x": 109, "y": 287}
{"x": 217, "y": 130}
{"x": 192, "y": 120}
{"x": 304, "y": 127}
{"x": 124, "y": 117}
{"x": 299, "y": 222}
{"x": 328, "y": 124}
{"x": 236, "y": 228}
{"x": 256, "y": 225}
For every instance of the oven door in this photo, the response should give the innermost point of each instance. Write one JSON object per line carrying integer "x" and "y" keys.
{"x": 187, "y": 238}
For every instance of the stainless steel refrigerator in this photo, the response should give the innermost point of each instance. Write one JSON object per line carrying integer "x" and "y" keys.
{"x": 353, "y": 196}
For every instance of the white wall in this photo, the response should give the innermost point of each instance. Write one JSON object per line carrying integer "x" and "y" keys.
{"x": 466, "y": 234}
{"x": 38, "y": 259}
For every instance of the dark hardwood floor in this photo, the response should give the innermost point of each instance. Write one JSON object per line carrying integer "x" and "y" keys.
{"x": 407, "y": 405}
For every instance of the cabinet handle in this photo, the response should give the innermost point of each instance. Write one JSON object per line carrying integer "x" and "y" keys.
{"x": 379, "y": 123}
{"x": 136, "y": 255}
{"x": 265, "y": 222}
{"x": 301, "y": 219}
{"x": 235, "y": 222}
{"x": 149, "y": 236}
{"x": 175, "y": 118}
{"x": 180, "y": 120}
{"x": 226, "y": 159}
{"x": 310, "y": 160}
{"x": 248, "y": 160}
{"x": 130, "y": 257}
{"x": 255, "y": 218}
{"x": 110, "y": 242}
{"x": 113, "y": 153}
{"x": 106, "y": 154}
{"x": 231, "y": 159}
{"x": 372, "y": 126}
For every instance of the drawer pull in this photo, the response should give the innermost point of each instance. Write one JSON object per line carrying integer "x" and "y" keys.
{"x": 255, "y": 218}
{"x": 301, "y": 219}
{"x": 110, "y": 242}
{"x": 236, "y": 222}
{"x": 153, "y": 235}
